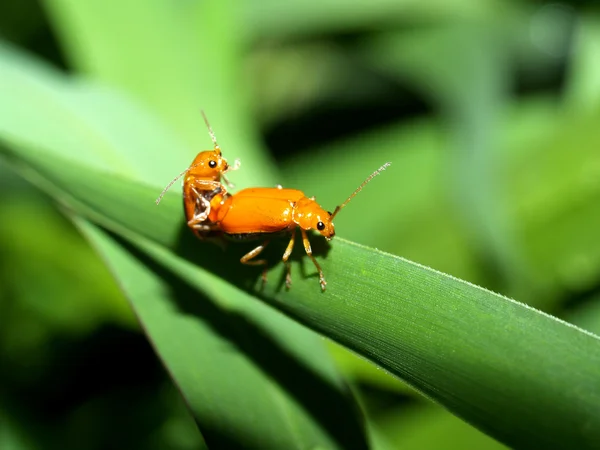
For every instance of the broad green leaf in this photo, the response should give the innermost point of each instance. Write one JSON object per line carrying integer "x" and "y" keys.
{"x": 362, "y": 371}
{"x": 218, "y": 353}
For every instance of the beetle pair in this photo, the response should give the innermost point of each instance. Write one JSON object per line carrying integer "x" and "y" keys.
{"x": 253, "y": 213}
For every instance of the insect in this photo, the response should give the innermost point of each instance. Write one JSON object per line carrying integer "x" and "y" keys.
{"x": 202, "y": 183}
{"x": 264, "y": 212}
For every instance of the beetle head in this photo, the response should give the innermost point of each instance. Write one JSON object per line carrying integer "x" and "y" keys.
{"x": 209, "y": 165}
{"x": 310, "y": 216}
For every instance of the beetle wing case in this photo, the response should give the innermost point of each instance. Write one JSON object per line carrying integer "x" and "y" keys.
{"x": 253, "y": 212}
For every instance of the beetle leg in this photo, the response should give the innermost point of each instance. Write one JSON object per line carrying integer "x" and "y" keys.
{"x": 205, "y": 227}
{"x": 219, "y": 190}
{"x": 208, "y": 185}
{"x": 204, "y": 191}
{"x": 308, "y": 250}
{"x": 202, "y": 209}
{"x": 246, "y": 259}
{"x": 203, "y": 205}
{"x": 286, "y": 255}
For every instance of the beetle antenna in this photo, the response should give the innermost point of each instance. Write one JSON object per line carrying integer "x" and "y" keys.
{"x": 162, "y": 194}
{"x": 364, "y": 183}
{"x": 210, "y": 130}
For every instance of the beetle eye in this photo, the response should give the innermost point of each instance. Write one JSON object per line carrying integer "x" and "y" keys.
{"x": 320, "y": 226}
{"x": 212, "y": 164}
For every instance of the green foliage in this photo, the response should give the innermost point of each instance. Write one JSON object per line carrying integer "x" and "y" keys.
{"x": 493, "y": 188}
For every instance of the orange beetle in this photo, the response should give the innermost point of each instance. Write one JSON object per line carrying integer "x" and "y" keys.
{"x": 261, "y": 212}
{"x": 202, "y": 183}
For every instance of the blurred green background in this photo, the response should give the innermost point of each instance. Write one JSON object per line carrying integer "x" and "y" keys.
{"x": 488, "y": 110}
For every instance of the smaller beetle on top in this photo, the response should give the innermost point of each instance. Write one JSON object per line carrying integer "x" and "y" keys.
{"x": 202, "y": 183}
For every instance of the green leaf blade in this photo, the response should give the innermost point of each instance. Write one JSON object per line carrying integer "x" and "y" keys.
{"x": 218, "y": 359}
